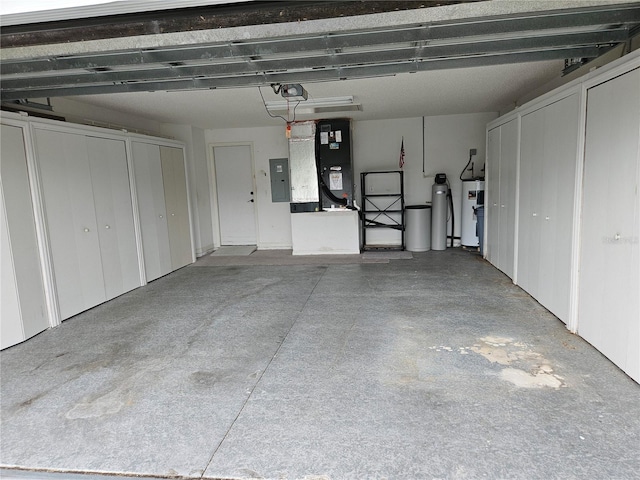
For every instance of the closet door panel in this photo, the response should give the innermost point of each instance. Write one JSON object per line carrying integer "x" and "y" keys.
{"x": 151, "y": 207}
{"x": 21, "y": 238}
{"x": 547, "y": 204}
{"x": 508, "y": 166}
{"x": 10, "y": 317}
{"x": 114, "y": 215}
{"x": 609, "y": 304}
{"x": 71, "y": 220}
{"x": 492, "y": 200}
{"x": 561, "y": 134}
{"x": 175, "y": 189}
{"x": 531, "y": 156}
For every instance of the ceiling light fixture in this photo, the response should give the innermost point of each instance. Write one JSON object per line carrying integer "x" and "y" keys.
{"x": 317, "y": 105}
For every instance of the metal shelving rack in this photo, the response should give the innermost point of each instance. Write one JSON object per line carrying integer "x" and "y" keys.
{"x": 382, "y": 210}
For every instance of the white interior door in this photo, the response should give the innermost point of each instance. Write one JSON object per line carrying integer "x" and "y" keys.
{"x": 609, "y": 304}
{"x": 236, "y": 207}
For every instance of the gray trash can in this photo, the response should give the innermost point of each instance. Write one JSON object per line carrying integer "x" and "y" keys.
{"x": 480, "y": 227}
{"x": 417, "y": 219}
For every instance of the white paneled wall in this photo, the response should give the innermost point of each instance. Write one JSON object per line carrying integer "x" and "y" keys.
{"x": 577, "y": 205}
{"x": 82, "y": 243}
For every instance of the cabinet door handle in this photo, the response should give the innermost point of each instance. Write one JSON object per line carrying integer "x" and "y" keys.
{"x": 161, "y": 216}
{"x": 107, "y": 227}
{"x": 173, "y": 214}
{"x": 546, "y": 218}
{"x": 502, "y": 206}
{"x": 86, "y": 230}
{"x": 617, "y": 236}
{"x": 535, "y": 214}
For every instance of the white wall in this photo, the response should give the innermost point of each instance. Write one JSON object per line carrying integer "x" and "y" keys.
{"x": 447, "y": 141}
{"x": 78, "y": 112}
{"x": 376, "y": 146}
{"x": 274, "y": 224}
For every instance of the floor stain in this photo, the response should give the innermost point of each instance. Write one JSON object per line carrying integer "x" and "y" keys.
{"x": 524, "y": 367}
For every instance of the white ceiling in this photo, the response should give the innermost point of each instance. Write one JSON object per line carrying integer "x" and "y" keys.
{"x": 440, "y": 92}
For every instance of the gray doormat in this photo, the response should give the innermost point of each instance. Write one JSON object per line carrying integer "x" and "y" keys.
{"x": 234, "y": 251}
{"x": 388, "y": 255}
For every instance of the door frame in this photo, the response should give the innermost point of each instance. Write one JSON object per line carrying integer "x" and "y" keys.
{"x": 215, "y": 216}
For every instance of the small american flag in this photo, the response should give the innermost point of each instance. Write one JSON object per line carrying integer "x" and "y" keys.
{"x": 401, "y": 162}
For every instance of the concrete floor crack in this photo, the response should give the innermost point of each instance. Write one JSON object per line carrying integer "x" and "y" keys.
{"x": 275, "y": 354}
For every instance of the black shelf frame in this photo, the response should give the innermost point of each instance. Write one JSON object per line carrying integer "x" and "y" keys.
{"x": 390, "y": 216}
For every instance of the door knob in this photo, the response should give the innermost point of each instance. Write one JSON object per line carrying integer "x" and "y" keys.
{"x": 251, "y": 193}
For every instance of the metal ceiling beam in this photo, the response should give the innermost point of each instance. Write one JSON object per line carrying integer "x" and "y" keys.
{"x": 320, "y": 60}
{"x": 614, "y": 15}
{"x": 318, "y": 75}
{"x": 376, "y": 51}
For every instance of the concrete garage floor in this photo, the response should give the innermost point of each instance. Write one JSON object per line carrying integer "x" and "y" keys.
{"x": 432, "y": 367}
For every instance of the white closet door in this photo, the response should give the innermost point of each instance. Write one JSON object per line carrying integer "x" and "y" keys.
{"x": 175, "y": 191}
{"x": 10, "y": 317}
{"x": 24, "y": 311}
{"x": 609, "y": 303}
{"x": 492, "y": 200}
{"x": 114, "y": 215}
{"x": 561, "y": 133}
{"x": 507, "y": 203}
{"x": 547, "y": 202}
{"x": 151, "y": 207}
{"x": 71, "y": 220}
{"x": 531, "y": 159}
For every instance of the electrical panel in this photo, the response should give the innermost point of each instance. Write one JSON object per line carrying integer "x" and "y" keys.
{"x": 279, "y": 174}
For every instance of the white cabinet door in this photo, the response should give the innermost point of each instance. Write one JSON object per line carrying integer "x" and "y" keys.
{"x": 71, "y": 220}
{"x": 531, "y": 160}
{"x": 507, "y": 197}
{"x": 492, "y": 197}
{"x": 23, "y": 310}
{"x": 175, "y": 192}
{"x": 548, "y": 148}
{"x": 114, "y": 215}
{"x": 609, "y": 303}
{"x": 151, "y": 208}
{"x": 557, "y": 215}
{"x": 10, "y": 315}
